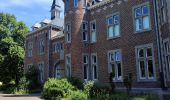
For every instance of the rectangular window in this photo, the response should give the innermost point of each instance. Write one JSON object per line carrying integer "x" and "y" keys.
{"x": 115, "y": 64}
{"x": 85, "y": 31}
{"x": 93, "y": 31}
{"x": 142, "y": 18}
{"x": 30, "y": 49}
{"x": 67, "y": 4}
{"x": 68, "y": 33}
{"x": 41, "y": 71}
{"x": 145, "y": 63}
{"x": 167, "y": 58}
{"x": 85, "y": 67}
{"x": 68, "y": 65}
{"x": 41, "y": 46}
{"x": 113, "y": 26}
{"x": 163, "y": 11}
{"x": 29, "y": 66}
{"x": 75, "y": 3}
{"x": 94, "y": 66}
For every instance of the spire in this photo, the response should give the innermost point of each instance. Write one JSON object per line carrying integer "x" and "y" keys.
{"x": 56, "y": 5}
{"x": 55, "y": 9}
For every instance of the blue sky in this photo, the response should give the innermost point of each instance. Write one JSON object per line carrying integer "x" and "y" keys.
{"x": 29, "y": 11}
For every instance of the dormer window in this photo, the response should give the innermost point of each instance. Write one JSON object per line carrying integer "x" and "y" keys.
{"x": 75, "y": 3}
{"x": 93, "y": 3}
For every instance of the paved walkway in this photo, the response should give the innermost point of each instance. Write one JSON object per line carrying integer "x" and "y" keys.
{"x": 20, "y": 97}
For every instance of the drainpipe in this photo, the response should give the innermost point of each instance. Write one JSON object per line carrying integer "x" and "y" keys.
{"x": 49, "y": 53}
{"x": 159, "y": 43}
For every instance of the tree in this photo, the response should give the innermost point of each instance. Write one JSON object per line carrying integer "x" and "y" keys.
{"x": 12, "y": 39}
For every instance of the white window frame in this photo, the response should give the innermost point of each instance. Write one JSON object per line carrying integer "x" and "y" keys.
{"x": 41, "y": 67}
{"x": 41, "y": 46}
{"x": 93, "y": 31}
{"x": 166, "y": 43}
{"x": 141, "y": 18}
{"x": 87, "y": 66}
{"x": 68, "y": 33}
{"x": 92, "y": 66}
{"x": 30, "y": 49}
{"x": 68, "y": 64}
{"x": 145, "y": 59}
{"x": 115, "y": 61}
{"x": 163, "y": 11}
{"x": 113, "y": 25}
{"x": 84, "y": 31}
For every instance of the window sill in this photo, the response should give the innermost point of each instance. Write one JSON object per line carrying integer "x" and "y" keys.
{"x": 142, "y": 31}
{"x": 146, "y": 80}
{"x": 110, "y": 38}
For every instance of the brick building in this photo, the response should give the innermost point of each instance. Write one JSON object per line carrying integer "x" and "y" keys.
{"x": 102, "y": 36}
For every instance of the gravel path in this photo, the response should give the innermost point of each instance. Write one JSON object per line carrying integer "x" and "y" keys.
{"x": 20, "y": 97}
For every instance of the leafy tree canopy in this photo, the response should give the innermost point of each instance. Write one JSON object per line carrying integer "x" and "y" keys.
{"x": 12, "y": 39}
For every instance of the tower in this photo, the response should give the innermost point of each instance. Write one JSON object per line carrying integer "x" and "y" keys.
{"x": 55, "y": 10}
{"x": 75, "y": 47}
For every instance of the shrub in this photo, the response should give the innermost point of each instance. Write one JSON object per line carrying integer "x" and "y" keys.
{"x": 76, "y": 82}
{"x": 77, "y": 95}
{"x": 94, "y": 89}
{"x": 56, "y": 88}
{"x": 32, "y": 77}
{"x": 22, "y": 88}
{"x": 117, "y": 96}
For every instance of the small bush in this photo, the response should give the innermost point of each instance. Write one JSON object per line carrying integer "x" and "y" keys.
{"x": 77, "y": 95}
{"x": 22, "y": 88}
{"x": 56, "y": 88}
{"x": 32, "y": 77}
{"x": 94, "y": 89}
{"x": 76, "y": 82}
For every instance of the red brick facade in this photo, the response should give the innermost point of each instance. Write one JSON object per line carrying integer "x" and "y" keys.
{"x": 129, "y": 42}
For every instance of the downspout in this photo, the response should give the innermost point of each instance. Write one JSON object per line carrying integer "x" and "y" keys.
{"x": 49, "y": 53}
{"x": 159, "y": 43}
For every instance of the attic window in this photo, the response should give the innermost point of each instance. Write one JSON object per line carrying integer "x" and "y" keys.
{"x": 93, "y": 2}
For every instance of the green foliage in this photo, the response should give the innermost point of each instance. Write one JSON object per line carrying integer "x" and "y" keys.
{"x": 56, "y": 88}
{"x": 22, "y": 88}
{"x": 76, "y": 82}
{"x": 95, "y": 89}
{"x": 112, "y": 84}
{"x": 12, "y": 38}
{"x": 32, "y": 77}
{"x": 77, "y": 95}
{"x": 88, "y": 87}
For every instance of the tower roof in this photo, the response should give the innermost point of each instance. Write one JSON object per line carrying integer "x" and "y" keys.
{"x": 56, "y": 5}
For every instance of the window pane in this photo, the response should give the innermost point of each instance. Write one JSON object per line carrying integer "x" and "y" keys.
{"x": 142, "y": 69}
{"x": 116, "y": 19}
{"x": 141, "y": 53}
{"x": 119, "y": 70}
{"x": 110, "y": 21}
{"x": 111, "y": 57}
{"x": 113, "y": 68}
{"x": 146, "y": 23}
{"x": 94, "y": 72}
{"x": 110, "y": 31}
{"x": 85, "y": 59}
{"x": 150, "y": 68}
{"x": 85, "y": 72}
{"x": 149, "y": 52}
{"x": 116, "y": 30}
{"x": 93, "y": 37}
{"x": 94, "y": 59}
{"x": 138, "y": 24}
{"x": 138, "y": 12}
{"x": 145, "y": 10}
{"x": 117, "y": 56}
{"x": 84, "y": 36}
